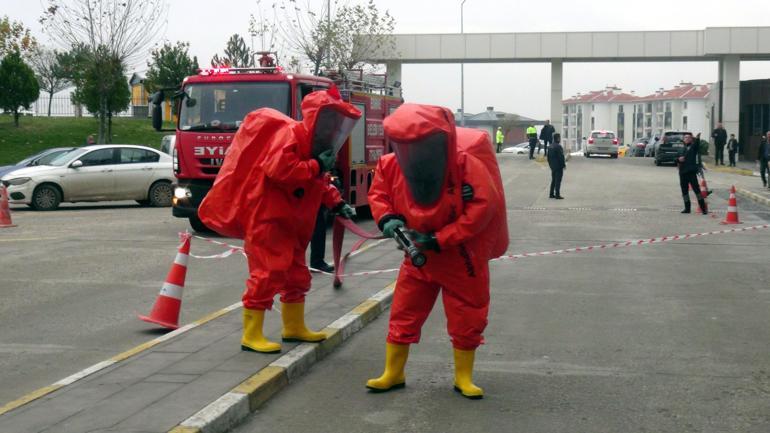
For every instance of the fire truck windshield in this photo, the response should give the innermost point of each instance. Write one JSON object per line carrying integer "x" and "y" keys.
{"x": 222, "y": 106}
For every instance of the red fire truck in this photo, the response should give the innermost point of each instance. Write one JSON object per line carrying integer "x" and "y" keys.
{"x": 212, "y": 104}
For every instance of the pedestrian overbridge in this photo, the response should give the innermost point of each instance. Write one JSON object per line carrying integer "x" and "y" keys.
{"x": 726, "y": 45}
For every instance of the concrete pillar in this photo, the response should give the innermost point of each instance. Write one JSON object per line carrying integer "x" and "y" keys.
{"x": 393, "y": 73}
{"x": 557, "y": 111}
{"x": 730, "y": 72}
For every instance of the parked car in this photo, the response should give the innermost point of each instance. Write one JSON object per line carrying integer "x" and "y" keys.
{"x": 638, "y": 148}
{"x": 42, "y": 158}
{"x": 650, "y": 149}
{"x": 669, "y": 147}
{"x": 601, "y": 143}
{"x": 518, "y": 149}
{"x": 95, "y": 173}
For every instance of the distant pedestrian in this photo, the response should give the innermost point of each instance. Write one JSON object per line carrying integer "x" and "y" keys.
{"x": 732, "y": 149}
{"x": 720, "y": 139}
{"x": 690, "y": 165}
{"x": 90, "y": 140}
{"x": 557, "y": 164}
{"x": 763, "y": 157}
{"x": 546, "y": 135}
{"x": 499, "y": 139}
{"x": 532, "y": 136}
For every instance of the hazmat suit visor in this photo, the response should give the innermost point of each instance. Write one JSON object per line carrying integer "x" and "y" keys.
{"x": 424, "y": 165}
{"x": 331, "y": 130}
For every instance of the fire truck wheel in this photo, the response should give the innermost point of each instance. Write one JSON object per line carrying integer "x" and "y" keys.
{"x": 160, "y": 194}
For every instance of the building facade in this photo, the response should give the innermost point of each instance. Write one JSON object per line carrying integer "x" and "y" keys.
{"x": 686, "y": 107}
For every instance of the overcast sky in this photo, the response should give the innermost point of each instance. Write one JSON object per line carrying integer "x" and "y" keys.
{"x": 517, "y": 88}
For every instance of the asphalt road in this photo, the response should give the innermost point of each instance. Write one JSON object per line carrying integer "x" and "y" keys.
{"x": 73, "y": 281}
{"x": 668, "y": 337}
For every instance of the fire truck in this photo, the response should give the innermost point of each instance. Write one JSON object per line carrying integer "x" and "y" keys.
{"x": 211, "y": 106}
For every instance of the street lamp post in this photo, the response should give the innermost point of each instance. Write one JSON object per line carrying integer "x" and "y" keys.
{"x": 462, "y": 71}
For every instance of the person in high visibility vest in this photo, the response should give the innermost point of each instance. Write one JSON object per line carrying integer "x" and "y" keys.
{"x": 532, "y": 136}
{"x": 499, "y": 138}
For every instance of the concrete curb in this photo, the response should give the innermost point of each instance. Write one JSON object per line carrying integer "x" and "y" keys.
{"x": 733, "y": 170}
{"x": 233, "y": 407}
{"x": 753, "y": 196}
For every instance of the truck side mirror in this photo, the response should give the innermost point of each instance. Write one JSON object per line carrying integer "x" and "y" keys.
{"x": 157, "y": 113}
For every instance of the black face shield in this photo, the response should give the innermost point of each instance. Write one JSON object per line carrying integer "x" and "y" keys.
{"x": 424, "y": 165}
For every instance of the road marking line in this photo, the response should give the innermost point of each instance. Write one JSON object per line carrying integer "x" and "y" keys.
{"x": 41, "y": 392}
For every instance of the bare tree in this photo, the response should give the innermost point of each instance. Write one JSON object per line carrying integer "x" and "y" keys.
{"x": 357, "y": 33}
{"x": 109, "y": 35}
{"x": 307, "y": 31}
{"x": 127, "y": 28}
{"x": 50, "y": 74}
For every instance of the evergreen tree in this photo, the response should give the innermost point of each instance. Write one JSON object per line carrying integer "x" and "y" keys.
{"x": 18, "y": 85}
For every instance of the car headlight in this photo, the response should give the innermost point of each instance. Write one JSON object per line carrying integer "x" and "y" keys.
{"x": 17, "y": 181}
{"x": 181, "y": 193}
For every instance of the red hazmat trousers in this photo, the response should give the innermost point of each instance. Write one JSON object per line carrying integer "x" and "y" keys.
{"x": 469, "y": 232}
{"x": 268, "y": 193}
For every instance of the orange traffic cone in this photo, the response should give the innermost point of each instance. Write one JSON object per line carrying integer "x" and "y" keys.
{"x": 5, "y": 210}
{"x": 704, "y": 188}
{"x": 165, "y": 312}
{"x": 732, "y": 209}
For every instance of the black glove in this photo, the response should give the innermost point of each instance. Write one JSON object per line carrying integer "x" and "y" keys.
{"x": 425, "y": 241}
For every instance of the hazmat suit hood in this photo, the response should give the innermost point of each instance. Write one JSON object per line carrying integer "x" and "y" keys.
{"x": 424, "y": 140}
{"x": 327, "y": 120}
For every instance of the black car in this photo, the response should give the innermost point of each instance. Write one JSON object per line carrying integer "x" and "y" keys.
{"x": 669, "y": 147}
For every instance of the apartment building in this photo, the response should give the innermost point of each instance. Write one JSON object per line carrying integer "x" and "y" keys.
{"x": 687, "y": 106}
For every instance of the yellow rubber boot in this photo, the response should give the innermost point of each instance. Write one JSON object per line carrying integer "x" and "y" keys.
{"x": 294, "y": 328}
{"x": 253, "y": 340}
{"x": 393, "y": 376}
{"x": 464, "y": 375}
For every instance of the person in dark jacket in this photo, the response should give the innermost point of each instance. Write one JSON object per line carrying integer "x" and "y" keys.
{"x": 720, "y": 139}
{"x": 764, "y": 156}
{"x": 546, "y": 135}
{"x": 557, "y": 164}
{"x": 732, "y": 149}
{"x": 689, "y": 165}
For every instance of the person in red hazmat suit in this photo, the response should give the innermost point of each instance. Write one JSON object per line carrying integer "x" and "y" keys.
{"x": 443, "y": 187}
{"x": 274, "y": 178}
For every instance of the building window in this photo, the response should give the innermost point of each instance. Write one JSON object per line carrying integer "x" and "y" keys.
{"x": 668, "y": 107}
{"x": 593, "y": 123}
{"x": 593, "y": 107}
{"x": 667, "y": 122}
{"x": 685, "y": 106}
{"x": 620, "y": 108}
{"x": 621, "y": 126}
{"x": 649, "y": 108}
{"x": 684, "y": 123}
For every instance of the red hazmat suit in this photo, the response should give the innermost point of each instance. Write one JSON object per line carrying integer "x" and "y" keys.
{"x": 270, "y": 188}
{"x": 421, "y": 184}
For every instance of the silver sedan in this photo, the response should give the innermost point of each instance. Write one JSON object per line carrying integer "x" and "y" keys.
{"x": 95, "y": 173}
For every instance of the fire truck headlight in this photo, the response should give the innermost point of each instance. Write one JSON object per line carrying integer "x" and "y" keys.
{"x": 181, "y": 193}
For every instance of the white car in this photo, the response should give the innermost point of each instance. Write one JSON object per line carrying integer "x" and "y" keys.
{"x": 519, "y": 149}
{"x": 601, "y": 143}
{"x": 95, "y": 173}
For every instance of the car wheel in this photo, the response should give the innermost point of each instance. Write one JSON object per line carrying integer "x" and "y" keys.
{"x": 657, "y": 162}
{"x": 198, "y": 225}
{"x": 160, "y": 194}
{"x": 614, "y": 156}
{"x": 46, "y": 197}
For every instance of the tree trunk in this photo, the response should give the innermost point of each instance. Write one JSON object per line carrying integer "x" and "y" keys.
{"x": 50, "y": 100}
{"x": 16, "y": 117}
{"x": 102, "y": 121}
{"x": 109, "y": 128}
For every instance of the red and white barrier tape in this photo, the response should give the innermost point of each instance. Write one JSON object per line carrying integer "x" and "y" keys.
{"x": 236, "y": 249}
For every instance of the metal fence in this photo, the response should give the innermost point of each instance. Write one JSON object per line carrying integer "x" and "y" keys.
{"x": 62, "y": 106}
